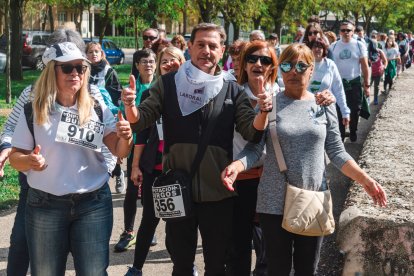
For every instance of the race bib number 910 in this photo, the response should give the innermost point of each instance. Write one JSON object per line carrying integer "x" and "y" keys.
{"x": 89, "y": 136}
{"x": 168, "y": 201}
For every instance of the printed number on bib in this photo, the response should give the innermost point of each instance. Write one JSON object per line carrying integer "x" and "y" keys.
{"x": 168, "y": 201}
{"x": 89, "y": 136}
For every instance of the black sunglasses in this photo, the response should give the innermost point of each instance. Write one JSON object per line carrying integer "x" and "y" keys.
{"x": 68, "y": 68}
{"x": 346, "y": 30}
{"x": 264, "y": 60}
{"x": 313, "y": 33}
{"x": 300, "y": 67}
{"x": 146, "y": 37}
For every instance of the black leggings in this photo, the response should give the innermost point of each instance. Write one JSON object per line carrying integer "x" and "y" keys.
{"x": 148, "y": 221}
{"x": 282, "y": 246}
{"x": 131, "y": 197}
{"x": 388, "y": 81}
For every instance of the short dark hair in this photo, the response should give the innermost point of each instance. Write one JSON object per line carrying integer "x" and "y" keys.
{"x": 136, "y": 57}
{"x": 209, "y": 27}
{"x": 319, "y": 41}
{"x": 237, "y": 47}
{"x": 359, "y": 29}
{"x": 346, "y": 22}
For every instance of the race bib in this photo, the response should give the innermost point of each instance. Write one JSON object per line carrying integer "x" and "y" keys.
{"x": 168, "y": 201}
{"x": 89, "y": 136}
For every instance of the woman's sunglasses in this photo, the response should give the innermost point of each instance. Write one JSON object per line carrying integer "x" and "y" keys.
{"x": 264, "y": 60}
{"x": 68, "y": 68}
{"x": 315, "y": 33}
{"x": 300, "y": 67}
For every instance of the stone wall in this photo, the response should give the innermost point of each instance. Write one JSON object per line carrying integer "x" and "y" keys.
{"x": 380, "y": 241}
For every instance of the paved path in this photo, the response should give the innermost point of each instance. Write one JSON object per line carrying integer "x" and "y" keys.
{"x": 158, "y": 262}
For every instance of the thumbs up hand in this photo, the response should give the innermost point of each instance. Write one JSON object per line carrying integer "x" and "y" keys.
{"x": 123, "y": 128}
{"x": 36, "y": 160}
{"x": 129, "y": 93}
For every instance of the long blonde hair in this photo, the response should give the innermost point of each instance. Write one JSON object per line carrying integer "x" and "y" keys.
{"x": 45, "y": 91}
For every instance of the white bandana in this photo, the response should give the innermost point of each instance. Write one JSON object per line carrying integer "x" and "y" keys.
{"x": 196, "y": 88}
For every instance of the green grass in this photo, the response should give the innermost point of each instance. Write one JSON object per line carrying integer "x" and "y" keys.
{"x": 9, "y": 184}
{"x": 29, "y": 77}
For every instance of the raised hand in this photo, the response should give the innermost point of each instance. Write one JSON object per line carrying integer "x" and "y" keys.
{"x": 36, "y": 160}
{"x": 123, "y": 128}
{"x": 129, "y": 93}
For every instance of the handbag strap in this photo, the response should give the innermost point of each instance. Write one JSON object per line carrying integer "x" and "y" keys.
{"x": 275, "y": 140}
{"x": 212, "y": 119}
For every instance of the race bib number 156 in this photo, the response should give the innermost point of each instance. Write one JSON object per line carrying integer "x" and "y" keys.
{"x": 89, "y": 136}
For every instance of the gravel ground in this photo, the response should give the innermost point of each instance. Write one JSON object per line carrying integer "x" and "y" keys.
{"x": 158, "y": 262}
{"x": 332, "y": 260}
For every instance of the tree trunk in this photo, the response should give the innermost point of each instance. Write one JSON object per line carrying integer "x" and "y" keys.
{"x": 104, "y": 22}
{"x": 276, "y": 10}
{"x": 51, "y": 19}
{"x": 236, "y": 28}
{"x": 185, "y": 18}
{"x": 16, "y": 12}
{"x": 7, "y": 29}
{"x": 206, "y": 9}
{"x": 136, "y": 31}
{"x": 256, "y": 22}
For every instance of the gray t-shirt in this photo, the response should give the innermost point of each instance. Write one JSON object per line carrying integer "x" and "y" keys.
{"x": 305, "y": 132}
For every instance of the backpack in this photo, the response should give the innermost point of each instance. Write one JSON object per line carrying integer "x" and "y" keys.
{"x": 28, "y": 112}
{"x": 377, "y": 67}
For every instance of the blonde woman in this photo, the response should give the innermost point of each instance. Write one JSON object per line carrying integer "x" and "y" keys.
{"x": 69, "y": 206}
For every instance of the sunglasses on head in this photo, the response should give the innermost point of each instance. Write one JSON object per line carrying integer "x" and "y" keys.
{"x": 346, "y": 30}
{"x": 146, "y": 37}
{"x": 264, "y": 60}
{"x": 300, "y": 67}
{"x": 313, "y": 33}
{"x": 68, "y": 68}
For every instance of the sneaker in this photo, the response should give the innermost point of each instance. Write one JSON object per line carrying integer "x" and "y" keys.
{"x": 154, "y": 241}
{"x": 126, "y": 240}
{"x": 132, "y": 271}
{"x": 120, "y": 183}
{"x": 353, "y": 136}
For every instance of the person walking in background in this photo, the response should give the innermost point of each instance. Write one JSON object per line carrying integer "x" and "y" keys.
{"x": 351, "y": 58}
{"x": 104, "y": 76}
{"x": 146, "y": 65}
{"x": 378, "y": 62}
{"x": 326, "y": 77}
{"x": 273, "y": 41}
{"x": 393, "y": 58}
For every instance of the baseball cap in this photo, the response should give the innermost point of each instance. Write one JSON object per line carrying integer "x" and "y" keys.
{"x": 63, "y": 52}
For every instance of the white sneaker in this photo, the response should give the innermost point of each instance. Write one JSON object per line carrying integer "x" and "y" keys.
{"x": 120, "y": 183}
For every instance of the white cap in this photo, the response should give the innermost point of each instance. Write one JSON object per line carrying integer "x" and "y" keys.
{"x": 63, "y": 52}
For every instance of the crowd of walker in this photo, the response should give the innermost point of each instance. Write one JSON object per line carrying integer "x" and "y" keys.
{"x": 68, "y": 133}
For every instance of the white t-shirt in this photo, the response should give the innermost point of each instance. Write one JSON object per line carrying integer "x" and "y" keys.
{"x": 326, "y": 76}
{"x": 391, "y": 53}
{"x": 347, "y": 57}
{"x": 71, "y": 168}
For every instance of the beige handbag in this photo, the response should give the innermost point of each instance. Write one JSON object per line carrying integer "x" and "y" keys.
{"x": 307, "y": 213}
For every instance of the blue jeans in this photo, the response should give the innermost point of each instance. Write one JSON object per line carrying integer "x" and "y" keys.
{"x": 18, "y": 260}
{"x": 76, "y": 223}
